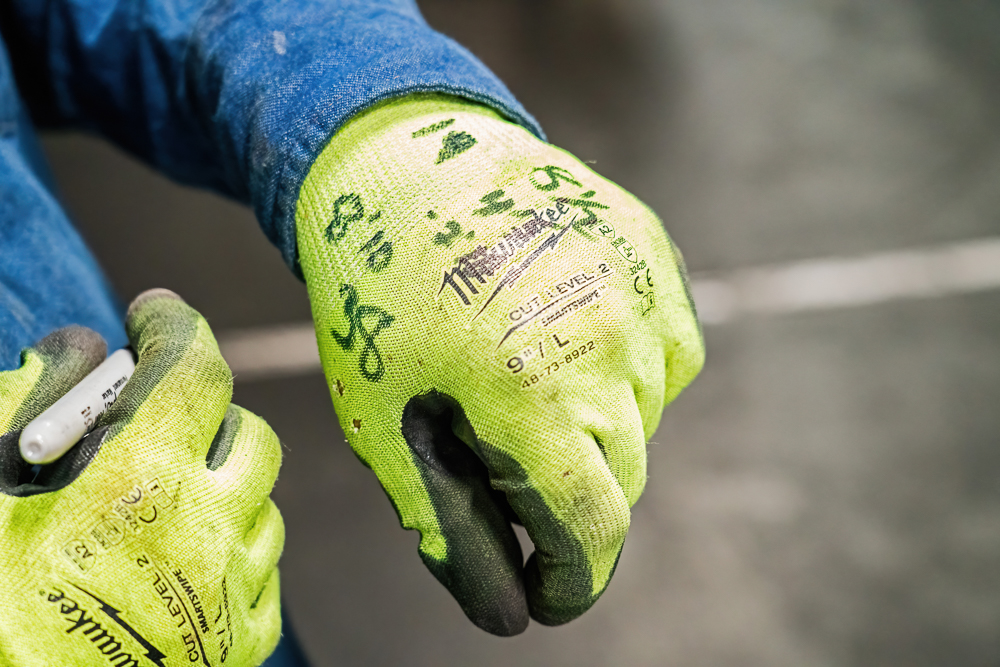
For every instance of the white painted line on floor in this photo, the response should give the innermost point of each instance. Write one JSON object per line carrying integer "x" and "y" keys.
{"x": 829, "y": 283}
{"x": 809, "y": 285}
{"x": 268, "y": 352}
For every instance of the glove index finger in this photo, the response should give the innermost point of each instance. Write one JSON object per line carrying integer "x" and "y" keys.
{"x": 180, "y": 377}
{"x": 575, "y": 513}
{"x": 473, "y": 552}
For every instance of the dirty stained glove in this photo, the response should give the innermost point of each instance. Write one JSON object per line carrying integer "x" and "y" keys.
{"x": 153, "y": 540}
{"x": 500, "y": 328}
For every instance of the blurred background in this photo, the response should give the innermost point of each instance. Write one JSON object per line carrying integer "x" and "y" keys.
{"x": 828, "y": 491}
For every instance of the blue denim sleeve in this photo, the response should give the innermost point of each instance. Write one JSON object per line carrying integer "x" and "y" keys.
{"x": 239, "y": 97}
{"x": 48, "y": 278}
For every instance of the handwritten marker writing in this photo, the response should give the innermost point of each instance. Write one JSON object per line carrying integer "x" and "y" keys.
{"x": 52, "y": 433}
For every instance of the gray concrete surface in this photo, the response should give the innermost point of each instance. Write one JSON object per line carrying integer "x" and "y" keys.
{"x": 828, "y": 491}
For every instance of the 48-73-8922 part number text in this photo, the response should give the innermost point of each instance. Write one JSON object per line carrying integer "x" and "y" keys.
{"x": 516, "y": 366}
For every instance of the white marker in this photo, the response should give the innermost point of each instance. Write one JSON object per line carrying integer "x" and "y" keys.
{"x": 52, "y": 433}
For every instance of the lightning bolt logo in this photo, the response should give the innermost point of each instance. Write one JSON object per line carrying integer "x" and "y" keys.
{"x": 154, "y": 654}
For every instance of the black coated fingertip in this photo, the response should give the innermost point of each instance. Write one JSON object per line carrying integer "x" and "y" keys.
{"x": 494, "y": 602}
{"x": 159, "y": 337}
{"x": 159, "y": 315}
{"x": 564, "y": 594}
{"x": 151, "y": 295}
{"x": 482, "y": 566}
{"x": 82, "y": 347}
{"x": 556, "y": 603}
{"x": 67, "y": 355}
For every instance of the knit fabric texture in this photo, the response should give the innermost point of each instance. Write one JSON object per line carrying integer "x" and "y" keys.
{"x": 153, "y": 541}
{"x": 500, "y": 329}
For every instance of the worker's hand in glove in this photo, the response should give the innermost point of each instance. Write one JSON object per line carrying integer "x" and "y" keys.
{"x": 500, "y": 328}
{"x": 153, "y": 540}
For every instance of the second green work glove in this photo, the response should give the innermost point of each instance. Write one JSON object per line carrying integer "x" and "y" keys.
{"x": 152, "y": 541}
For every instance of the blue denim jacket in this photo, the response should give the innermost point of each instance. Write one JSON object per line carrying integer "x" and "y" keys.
{"x": 238, "y": 97}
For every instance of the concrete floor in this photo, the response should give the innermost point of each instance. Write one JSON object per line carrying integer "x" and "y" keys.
{"x": 828, "y": 491}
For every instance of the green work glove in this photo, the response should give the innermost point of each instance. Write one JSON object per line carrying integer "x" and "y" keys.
{"x": 153, "y": 541}
{"x": 500, "y": 328}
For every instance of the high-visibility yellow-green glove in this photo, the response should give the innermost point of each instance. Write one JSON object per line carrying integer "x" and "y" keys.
{"x": 153, "y": 541}
{"x": 500, "y": 328}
